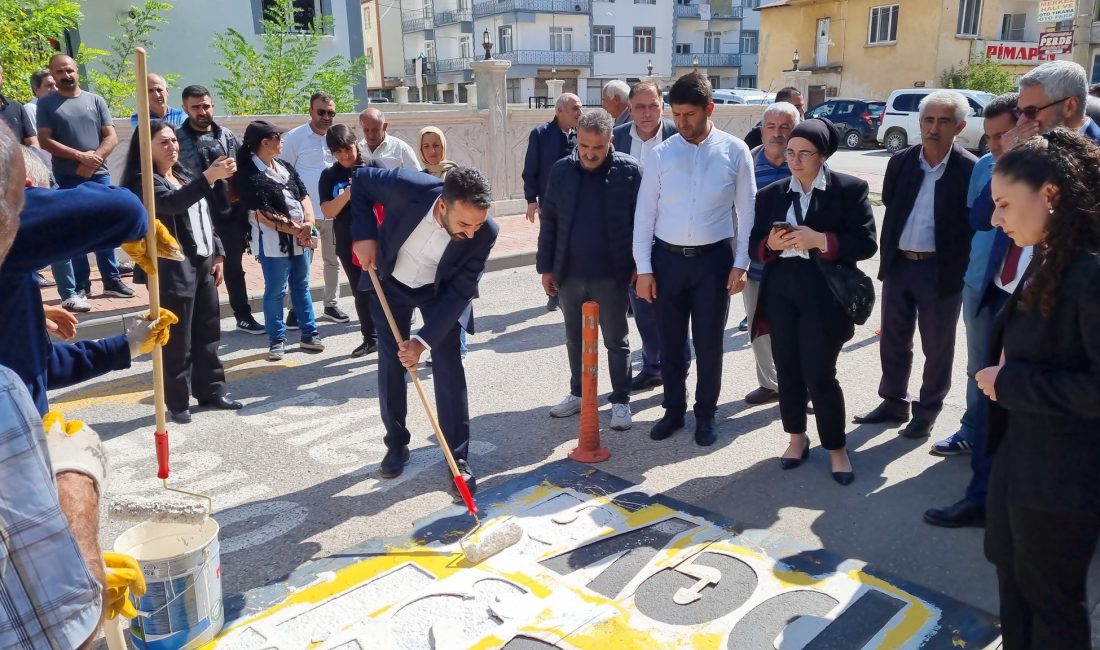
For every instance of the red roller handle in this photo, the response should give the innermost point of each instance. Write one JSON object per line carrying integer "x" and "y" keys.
{"x": 161, "y": 440}
{"x": 467, "y": 498}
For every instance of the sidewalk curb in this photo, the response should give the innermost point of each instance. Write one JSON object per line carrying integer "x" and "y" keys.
{"x": 116, "y": 323}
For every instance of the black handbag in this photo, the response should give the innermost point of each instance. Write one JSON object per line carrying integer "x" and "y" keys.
{"x": 851, "y": 288}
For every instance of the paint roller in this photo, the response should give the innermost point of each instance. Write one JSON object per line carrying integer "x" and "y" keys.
{"x": 476, "y": 548}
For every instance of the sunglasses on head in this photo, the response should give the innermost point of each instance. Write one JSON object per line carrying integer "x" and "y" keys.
{"x": 324, "y": 113}
{"x": 1031, "y": 112}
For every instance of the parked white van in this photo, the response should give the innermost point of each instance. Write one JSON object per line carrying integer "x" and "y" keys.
{"x": 900, "y": 126}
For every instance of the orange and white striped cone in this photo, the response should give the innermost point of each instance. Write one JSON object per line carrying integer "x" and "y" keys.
{"x": 588, "y": 444}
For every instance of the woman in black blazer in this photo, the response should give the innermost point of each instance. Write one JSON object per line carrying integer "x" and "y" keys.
{"x": 815, "y": 213}
{"x": 188, "y": 287}
{"x": 1043, "y": 507}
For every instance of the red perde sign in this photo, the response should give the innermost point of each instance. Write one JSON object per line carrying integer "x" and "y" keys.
{"x": 1056, "y": 42}
{"x": 1010, "y": 53}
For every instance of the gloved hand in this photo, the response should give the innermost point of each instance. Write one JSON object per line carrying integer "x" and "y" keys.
{"x": 145, "y": 333}
{"x": 74, "y": 447}
{"x": 167, "y": 247}
{"x": 123, "y": 576}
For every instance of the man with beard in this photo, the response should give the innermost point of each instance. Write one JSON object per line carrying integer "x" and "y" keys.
{"x": 430, "y": 253}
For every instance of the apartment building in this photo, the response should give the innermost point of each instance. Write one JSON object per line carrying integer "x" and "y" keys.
{"x": 708, "y": 38}
{"x": 383, "y": 46}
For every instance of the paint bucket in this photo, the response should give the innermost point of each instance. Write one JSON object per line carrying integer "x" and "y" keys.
{"x": 182, "y": 605}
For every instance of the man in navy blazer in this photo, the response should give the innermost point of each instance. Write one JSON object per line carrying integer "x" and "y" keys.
{"x": 430, "y": 253}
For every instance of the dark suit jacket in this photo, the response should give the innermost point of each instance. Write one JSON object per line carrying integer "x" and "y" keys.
{"x": 407, "y": 195}
{"x": 179, "y": 278}
{"x": 620, "y": 135}
{"x": 545, "y": 146}
{"x": 1044, "y": 423}
{"x": 953, "y": 234}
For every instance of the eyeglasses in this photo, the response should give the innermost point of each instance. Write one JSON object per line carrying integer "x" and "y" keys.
{"x": 1031, "y": 112}
{"x": 803, "y": 156}
{"x": 323, "y": 113}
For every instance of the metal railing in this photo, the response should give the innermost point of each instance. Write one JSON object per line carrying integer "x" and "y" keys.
{"x": 692, "y": 11}
{"x": 453, "y": 65}
{"x": 546, "y": 57}
{"x": 720, "y": 60}
{"x": 453, "y": 16}
{"x": 415, "y": 21}
{"x": 429, "y": 69}
{"x": 551, "y": 6}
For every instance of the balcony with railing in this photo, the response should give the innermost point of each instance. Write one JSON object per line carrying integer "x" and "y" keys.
{"x": 453, "y": 16}
{"x": 416, "y": 21}
{"x": 429, "y": 68}
{"x": 546, "y": 6}
{"x": 692, "y": 11}
{"x": 546, "y": 57}
{"x": 718, "y": 60}
{"x": 454, "y": 65}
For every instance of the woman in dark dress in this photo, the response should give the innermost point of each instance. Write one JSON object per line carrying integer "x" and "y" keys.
{"x": 1043, "y": 507}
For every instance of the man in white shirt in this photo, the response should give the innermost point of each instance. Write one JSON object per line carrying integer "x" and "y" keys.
{"x": 380, "y": 149}
{"x": 304, "y": 147}
{"x": 691, "y": 247}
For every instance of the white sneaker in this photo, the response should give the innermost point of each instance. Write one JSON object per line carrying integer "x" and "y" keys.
{"x": 620, "y": 417}
{"x": 76, "y": 302}
{"x": 571, "y": 405}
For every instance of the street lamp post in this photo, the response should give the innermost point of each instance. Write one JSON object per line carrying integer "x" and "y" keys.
{"x": 795, "y": 59}
{"x": 649, "y": 68}
{"x": 487, "y": 43}
{"x": 695, "y": 62}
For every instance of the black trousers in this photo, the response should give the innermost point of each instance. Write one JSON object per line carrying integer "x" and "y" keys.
{"x": 692, "y": 290}
{"x": 191, "y": 363}
{"x": 1042, "y": 559}
{"x": 342, "y": 232}
{"x": 808, "y": 328}
{"x": 910, "y": 298}
{"x": 234, "y": 236}
{"x": 612, "y": 298}
{"x": 449, "y": 375}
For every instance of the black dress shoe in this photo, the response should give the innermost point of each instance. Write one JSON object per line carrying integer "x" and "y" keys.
{"x": 222, "y": 402}
{"x": 791, "y": 463}
{"x": 365, "y": 348}
{"x": 669, "y": 424}
{"x": 467, "y": 475}
{"x": 957, "y": 515}
{"x": 844, "y": 478}
{"x": 918, "y": 428}
{"x": 761, "y": 396}
{"x": 180, "y": 417}
{"x": 705, "y": 435}
{"x": 885, "y": 412}
{"x": 644, "y": 380}
{"x": 393, "y": 463}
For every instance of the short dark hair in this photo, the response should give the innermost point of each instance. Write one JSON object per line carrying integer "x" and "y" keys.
{"x": 195, "y": 90}
{"x": 322, "y": 96}
{"x": 643, "y": 86}
{"x": 785, "y": 94}
{"x": 1001, "y": 105}
{"x": 38, "y": 78}
{"x": 692, "y": 88}
{"x": 468, "y": 185}
{"x": 1094, "y": 90}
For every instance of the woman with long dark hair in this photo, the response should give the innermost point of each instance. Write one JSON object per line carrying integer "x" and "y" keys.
{"x": 1043, "y": 506}
{"x": 335, "y": 192}
{"x": 188, "y": 287}
{"x": 282, "y": 233}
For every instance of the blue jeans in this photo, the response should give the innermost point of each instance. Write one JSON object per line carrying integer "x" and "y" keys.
{"x": 977, "y": 337}
{"x": 462, "y": 349}
{"x": 981, "y": 463}
{"x": 63, "y": 276}
{"x": 80, "y": 272}
{"x": 279, "y": 274}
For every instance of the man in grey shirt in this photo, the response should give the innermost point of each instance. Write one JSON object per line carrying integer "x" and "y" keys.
{"x": 75, "y": 126}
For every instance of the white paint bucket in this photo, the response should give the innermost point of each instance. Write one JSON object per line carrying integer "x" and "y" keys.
{"x": 182, "y": 605}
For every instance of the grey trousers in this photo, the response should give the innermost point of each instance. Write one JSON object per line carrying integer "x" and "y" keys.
{"x": 762, "y": 346}
{"x": 612, "y": 298}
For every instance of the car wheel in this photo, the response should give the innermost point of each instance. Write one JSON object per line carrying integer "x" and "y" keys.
{"x": 895, "y": 140}
{"x": 983, "y": 146}
{"x": 853, "y": 140}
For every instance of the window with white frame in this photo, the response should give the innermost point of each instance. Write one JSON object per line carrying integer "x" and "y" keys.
{"x": 712, "y": 42}
{"x": 429, "y": 54}
{"x": 643, "y": 40}
{"x": 603, "y": 39}
{"x": 561, "y": 39}
{"x": 750, "y": 42}
{"x": 504, "y": 39}
{"x": 1012, "y": 27}
{"x": 368, "y": 11}
{"x": 513, "y": 89}
{"x": 883, "y": 27}
{"x": 465, "y": 47}
{"x": 370, "y": 58}
{"x": 970, "y": 17}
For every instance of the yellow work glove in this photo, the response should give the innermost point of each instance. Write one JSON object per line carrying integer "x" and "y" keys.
{"x": 74, "y": 447}
{"x": 146, "y": 332}
{"x": 167, "y": 247}
{"x": 123, "y": 576}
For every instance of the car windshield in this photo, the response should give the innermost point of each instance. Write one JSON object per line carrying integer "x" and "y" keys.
{"x": 875, "y": 109}
{"x": 984, "y": 98}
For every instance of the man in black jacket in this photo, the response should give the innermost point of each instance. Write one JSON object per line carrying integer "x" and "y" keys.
{"x": 201, "y": 142}
{"x": 925, "y": 248}
{"x": 585, "y": 253}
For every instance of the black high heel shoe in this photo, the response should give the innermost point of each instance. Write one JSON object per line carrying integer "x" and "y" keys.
{"x": 845, "y": 478}
{"x": 791, "y": 463}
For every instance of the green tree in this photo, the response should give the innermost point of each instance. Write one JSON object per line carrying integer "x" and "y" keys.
{"x": 983, "y": 75}
{"x": 113, "y": 74}
{"x": 29, "y": 30}
{"x": 279, "y": 76}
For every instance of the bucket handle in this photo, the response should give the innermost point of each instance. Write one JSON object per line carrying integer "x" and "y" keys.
{"x": 147, "y": 614}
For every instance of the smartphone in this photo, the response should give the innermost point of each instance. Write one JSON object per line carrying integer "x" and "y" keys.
{"x": 782, "y": 225}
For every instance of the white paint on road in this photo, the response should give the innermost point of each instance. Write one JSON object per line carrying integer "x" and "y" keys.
{"x": 285, "y": 517}
{"x": 419, "y": 460}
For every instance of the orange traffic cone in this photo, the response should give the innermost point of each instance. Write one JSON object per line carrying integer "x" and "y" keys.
{"x": 588, "y": 445}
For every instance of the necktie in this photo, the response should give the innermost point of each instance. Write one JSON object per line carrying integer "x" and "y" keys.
{"x": 1012, "y": 260}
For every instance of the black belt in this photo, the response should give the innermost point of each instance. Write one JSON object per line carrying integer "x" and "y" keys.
{"x": 689, "y": 251}
{"x": 916, "y": 256}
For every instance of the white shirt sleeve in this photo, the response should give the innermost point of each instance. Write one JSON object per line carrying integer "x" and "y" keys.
{"x": 645, "y": 212}
{"x": 744, "y": 205}
{"x": 409, "y": 159}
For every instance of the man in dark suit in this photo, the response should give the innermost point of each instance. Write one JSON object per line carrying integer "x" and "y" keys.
{"x": 925, "y": 248}
{"x": 647, "y": 130}
{"x": 430, "y": 253}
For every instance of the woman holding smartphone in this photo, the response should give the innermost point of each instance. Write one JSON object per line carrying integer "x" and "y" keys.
{"x": 817, "y": 213}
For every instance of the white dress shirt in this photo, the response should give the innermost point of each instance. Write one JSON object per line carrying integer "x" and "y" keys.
{"x": 804, "y": 203}
{"x": 202, "y": 228}
{"x": 393, "y": 153}
{"x": 693, "y": 195}
{"x": 919, "y": 233}
{"x": 418, "y": 258}
{"x": 1021, "y": 266}
{"x": 640, "y": 148}
{"x": 308, "y": 152}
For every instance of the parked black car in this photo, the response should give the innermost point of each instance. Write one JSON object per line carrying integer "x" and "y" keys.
{"x": 857, "y": 119}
